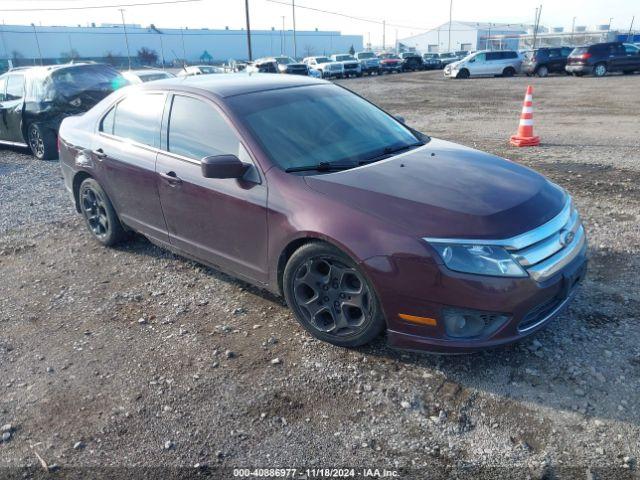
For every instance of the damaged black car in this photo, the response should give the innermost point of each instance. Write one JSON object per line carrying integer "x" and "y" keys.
{"x": 34, "y": 100}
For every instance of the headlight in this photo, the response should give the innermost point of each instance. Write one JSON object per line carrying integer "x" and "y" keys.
{"x": 479, "y": 259}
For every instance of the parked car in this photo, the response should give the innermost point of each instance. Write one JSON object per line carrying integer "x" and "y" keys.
{"x": 601, "y": 58}
{"x": 460, "y": 54}
{"x": 192, "y": 70}
{"x": 411, "y": 61}
{"x": 543, "y": 61}
{"x": 327, "y": 67}
{"x": 350, "y": 66}
{"x": 369, "y": 62}
{"x": 34, "y": 100}
{"x": 310, "y": 191}
{"x": 447, "y": 58}
{"x": 431, "y": 61}
{"x": 145, "y": 75}
{"x": 284, "y": 64}
{"x": 390, "y": 62}
{"x": 505, "y": 63}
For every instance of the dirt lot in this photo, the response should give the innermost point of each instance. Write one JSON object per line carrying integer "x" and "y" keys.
{"x": 134, "y": 357}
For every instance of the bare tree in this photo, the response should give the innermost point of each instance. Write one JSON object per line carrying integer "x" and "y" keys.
{"x": 147, "y": 56}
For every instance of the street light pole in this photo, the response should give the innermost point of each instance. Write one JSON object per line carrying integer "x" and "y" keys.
{"x": 384, "y": 34}
{"x": 450, "y": 16}
{"x": 246, "y": 9}
{"x": 295, "y": 47}
{"x": 37, "y": 42}
{"x": 282, "y": 37}
{"x": 126, "y": 37}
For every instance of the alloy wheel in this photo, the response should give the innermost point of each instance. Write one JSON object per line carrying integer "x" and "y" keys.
{"x": 333, "y": 297}
{"x": 36, "y": 142}
{"x": 600, "y": 70}
{"x": 94, "y": 210}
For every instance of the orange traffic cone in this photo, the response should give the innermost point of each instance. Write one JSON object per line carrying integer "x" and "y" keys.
{"x": 525, "y": 137}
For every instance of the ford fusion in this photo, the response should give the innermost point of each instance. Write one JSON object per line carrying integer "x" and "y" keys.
{"x": 301, "y": 187}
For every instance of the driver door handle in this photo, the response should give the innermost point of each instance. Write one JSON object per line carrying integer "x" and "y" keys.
{"x": 171, "y": 178}
{"x": 99, "y": 153}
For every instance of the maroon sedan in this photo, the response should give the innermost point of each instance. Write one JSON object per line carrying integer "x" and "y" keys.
{"x": 306, "y": 189}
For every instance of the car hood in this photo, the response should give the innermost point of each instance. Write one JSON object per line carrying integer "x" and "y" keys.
{"x": 446, "y": 190}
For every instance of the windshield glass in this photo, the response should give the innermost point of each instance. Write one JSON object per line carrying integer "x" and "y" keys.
{"x": 149, "y": 77}
{"x": 210, "y": 69}
{"x": 322, "y": 60}
{"x": 342, "y": 58}
{"x": 319, "y": 124}
{"x": 366, "y": 55}
{"x": 284, "y": 60}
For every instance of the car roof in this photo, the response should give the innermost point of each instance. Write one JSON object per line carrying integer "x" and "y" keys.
{"x": 232, "y": 84}
{"x": 144, "y": 71}
{"x": 40, "y": 69}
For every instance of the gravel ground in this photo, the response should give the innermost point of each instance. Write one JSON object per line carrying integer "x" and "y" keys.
{"x": 134, "y": 357}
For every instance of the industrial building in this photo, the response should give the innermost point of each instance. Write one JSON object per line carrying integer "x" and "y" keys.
{"x": 28, "y": 44}
{"x": 455, "y": 35}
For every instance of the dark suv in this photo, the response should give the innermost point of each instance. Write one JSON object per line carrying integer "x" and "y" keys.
{"x": 601, "y": 58}
{"x": 34, "y": 100}
{"x": 543, "y": 61}
{"x": 411, "y": 61}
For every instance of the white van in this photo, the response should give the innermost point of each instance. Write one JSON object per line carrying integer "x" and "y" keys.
{"x": 485, "y": 63}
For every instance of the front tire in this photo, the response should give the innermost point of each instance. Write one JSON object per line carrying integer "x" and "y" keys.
{"x": 99, "y": 215}
{"x": 508, "y": 72}
{"x": 42, "y": 142}
{"x": 542, "y": 71}
{"x": 463, "y": 74}
{"x": 331, "y": 297}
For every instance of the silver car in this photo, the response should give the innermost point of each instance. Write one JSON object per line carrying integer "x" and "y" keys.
{"x": 327, "y": 67}
{"x": 350, "y": 65}
{"x": 485, "y": 63}
{"x": 369, "y": 62}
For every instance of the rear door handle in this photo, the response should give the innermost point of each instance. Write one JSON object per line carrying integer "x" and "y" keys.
{"x": 99, "y": 153}
{"x": 171, "y": 178}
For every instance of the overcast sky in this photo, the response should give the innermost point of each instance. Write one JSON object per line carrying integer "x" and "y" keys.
{"x": 408, "y": 16}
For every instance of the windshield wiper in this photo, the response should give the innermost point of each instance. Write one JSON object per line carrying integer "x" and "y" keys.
{"x": 322, "y": 167}
{"x": 389, "y": 152}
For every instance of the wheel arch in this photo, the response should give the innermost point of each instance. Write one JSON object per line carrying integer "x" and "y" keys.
{"x": 78, "y": 178}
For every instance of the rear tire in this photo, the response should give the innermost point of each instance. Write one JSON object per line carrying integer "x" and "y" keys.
{"x": 42, "y": 142}
{"x": 99, "y": 215}
{"x": 331, "y": 297}
{"x": 508, "y": 72}
{"x": 600, "y": 70}
{"x": 542, "y": 71}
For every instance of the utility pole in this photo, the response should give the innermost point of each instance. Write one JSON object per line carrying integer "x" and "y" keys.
{"x": 126, "y": 38}
{"x": 384, "y": 34}
{"x": 450, "y": 16}
{"x": 246, "y": 9}
{"x": 295, "y": 47}
{"x": 535, "y": 27}
{"x": 38, "y": 42}
{"x": 630, "y": 28}
{"x": 184, "y": 51}
{"x": 282, "y": 42}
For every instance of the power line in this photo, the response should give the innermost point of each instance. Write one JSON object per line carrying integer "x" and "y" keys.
{"x": 91, "y": 7}
{"x": 352, "y": 17}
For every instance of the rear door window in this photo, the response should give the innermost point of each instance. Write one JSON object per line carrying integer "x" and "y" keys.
{"x": 554, "y": 52}
{"x": 631, "y": 49}
{"x": 198, "y": 130}
{"x": 15, "y": 87}
{"x": 137, "y": 118}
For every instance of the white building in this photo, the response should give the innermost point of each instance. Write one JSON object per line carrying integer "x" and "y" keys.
{"x": 455, "y": 36}
{"x": 26, "y": 44}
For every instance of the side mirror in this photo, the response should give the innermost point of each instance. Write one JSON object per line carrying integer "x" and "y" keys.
{"x": 400, "y": 118}
{"x": 222, "y": 166}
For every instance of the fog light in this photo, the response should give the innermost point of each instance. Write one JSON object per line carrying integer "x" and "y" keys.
{"x": 461, "y": 323}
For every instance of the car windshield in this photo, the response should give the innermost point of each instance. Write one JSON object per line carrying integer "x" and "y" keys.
{"x": 430, "y": 55}
{"x": 322, "y": 60}
{"x": 284, "y": 60}
{"x": 366, "y": 55}
{"x": 579, "y": 51}
{"x": 149, "y": 77}
{"x": 321, "y": 124}
{"x": 92, "y": 82}
{"x": 342, "y": 58}
{"x": 210, "y": 69}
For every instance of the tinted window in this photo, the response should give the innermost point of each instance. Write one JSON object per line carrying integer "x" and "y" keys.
{"x": 197, "y": 130}
{"x": 554, "y": 53}
{"x": 106, "y": 125}
{"x": 138, "y": 118}
{"x": 631, "y": 49}
{"x": 508, "y": 55}
{"x": 493, "y": 56}
{"x": 566, "y": 51}
{"x": 15, "y": 87}
{"x": 309, "y": 125}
